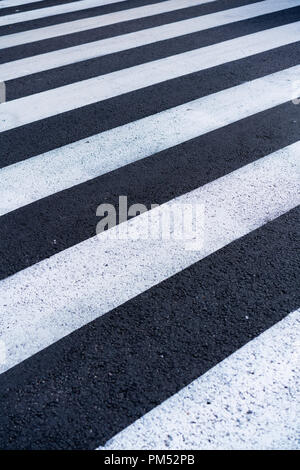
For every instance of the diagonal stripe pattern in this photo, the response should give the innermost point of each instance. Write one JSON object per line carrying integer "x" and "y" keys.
{"x": 180, "y": 104}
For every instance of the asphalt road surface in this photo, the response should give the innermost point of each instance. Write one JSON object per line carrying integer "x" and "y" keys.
{"x": 178, "y": 327}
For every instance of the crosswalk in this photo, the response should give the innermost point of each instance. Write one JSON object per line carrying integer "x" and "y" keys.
{"x": 138, "y": 337}
{"x": 47, "y": 61}
{"x": 240, "y": 392}
{"x": 79, "y": 5}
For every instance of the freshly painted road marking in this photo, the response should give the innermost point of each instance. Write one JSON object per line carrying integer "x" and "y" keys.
{"x": 62, "y": 168}
{"x": 85, "y": 24}
{"x": 54, "y": 10}
{"x": 49, "y": 300}
{"x": 247, "y": 401}
{"x": 50, "y": 60}
{"x": 76, "y": 95}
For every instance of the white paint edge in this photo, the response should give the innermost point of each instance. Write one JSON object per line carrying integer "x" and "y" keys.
{"x": 15, "y": 3}
{"x": 76, "y": 95}
{"x": 71, "y": 55}
{"x": 62, "y": 168}
{"x": 49, "y": 300}
{"x": 14, "y": 18}
{"x": 248, "y": 401}
{"x": 169, "y": 5}
{"x": 86, "y": 24}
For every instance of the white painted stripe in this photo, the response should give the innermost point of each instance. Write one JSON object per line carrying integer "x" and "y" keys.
{"x": 59, "y": 100}
{"x": 15, "y": 3}
{"x": 42, "y": 62}
{"x": 83, "y": 5}
{"x": 96, "y": 22}
{"x": 59, "y": 169}
{"x": 45, "y": 302}
{"x": 54, "y": 10}
{"x": 247, "y": 401}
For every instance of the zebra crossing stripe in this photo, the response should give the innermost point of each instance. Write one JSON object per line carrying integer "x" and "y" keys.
{"x": 87, "y": 24}
{"x": 120, "y": 366}
{"x": 54, "y": 10}
{"x": 59, "y": 169}
{"x": 111, "y": 18}
{"x": 110, "y": 340}
{"x": 52, "y": 102}
{"x": 41, "y": 62}
{"x": 246, "y": 401}
{"x": 39, "y": 302}
{"x": 16, "y": 3}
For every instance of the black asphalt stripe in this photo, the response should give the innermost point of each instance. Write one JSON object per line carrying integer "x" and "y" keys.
{"x": 38, "y": 137}
{"x": 32, "y": 6}
{"x": 65, "y": 75}
{"x": 57, "y": 19}
{"x": 75, "y": 15}
{"x": 90, "y": 385}
{"x": 69, "y": 216}
{"x": 84, "y": 37}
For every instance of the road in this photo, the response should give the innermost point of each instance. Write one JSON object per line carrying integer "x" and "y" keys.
{"x": 158, "y": 333}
